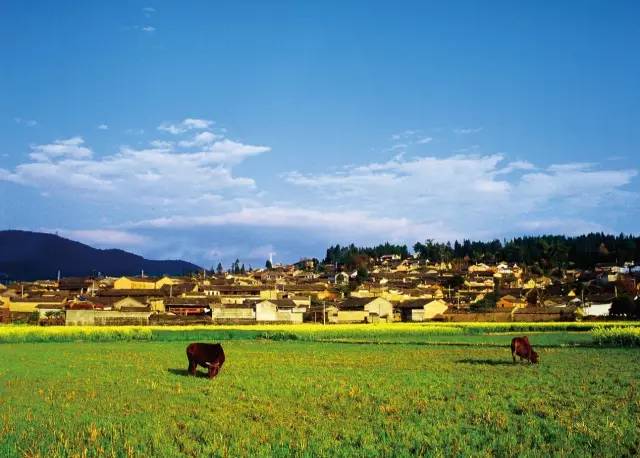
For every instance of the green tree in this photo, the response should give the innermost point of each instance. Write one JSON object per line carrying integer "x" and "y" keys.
{"x": 362, "y": 275}
{"x": 623, "y": 306}
{"x": 488, "y": 302}
{"x": 268, "y": 264}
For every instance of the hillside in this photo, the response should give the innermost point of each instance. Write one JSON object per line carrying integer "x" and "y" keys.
{"x": 35, "y": 255}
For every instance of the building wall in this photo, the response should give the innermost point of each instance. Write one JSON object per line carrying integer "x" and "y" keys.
{"x": 268, "y": 294}
{"x": 362, "y": 293}
{"x": 165, "y": 281}
{"x": 290, "y": 316}
{"x": 80, "y": 317}
{"x": 350, "y": 316}
{"x": 157, "y": 305}
{"x": 538, "y": 317}
{"x": 224, "y": 313}
{"x": 382, "y": 307}
{"x": 475, "y": 317}
{"x": 434, "y": 308}
{"x": 128, "y": 302}
{"x": 302, "y": 301}
{"x": 236, "y": 299}
{"x": 266, "y": 311}
{"x": 105, "y": 318}
{"x": 26, "y": 307}
{"x": 505, "y": 317}
{"x": 126, "y": 283}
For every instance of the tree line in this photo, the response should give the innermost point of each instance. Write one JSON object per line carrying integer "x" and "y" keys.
{"x": 546, "y": 251}
{"x": 354, "y": 257}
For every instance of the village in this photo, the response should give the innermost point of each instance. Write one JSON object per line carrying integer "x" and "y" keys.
{"x": 392, "y": 290}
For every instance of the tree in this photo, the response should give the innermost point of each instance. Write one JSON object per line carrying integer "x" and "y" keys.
{"x": 362, "y": 275}
{"x": 455, "y": 281}
{"x": 353, "y": 257}
{"x": 488, "y": 302}
{"x": 268, "y": 264}
{"x": 623, "y": 306}
{"x": 219, "y": 269}
{"x": 243, "y": 270}
{"x": 533, "y": 297}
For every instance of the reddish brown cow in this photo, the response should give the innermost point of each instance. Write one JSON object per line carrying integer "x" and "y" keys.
{"x": 209, "y": 356}
{"x": 521, "y": 347}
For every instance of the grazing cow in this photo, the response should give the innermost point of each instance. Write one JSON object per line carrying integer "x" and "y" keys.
{"x": 209, "y": 356}
{"x": 521, "y": 347}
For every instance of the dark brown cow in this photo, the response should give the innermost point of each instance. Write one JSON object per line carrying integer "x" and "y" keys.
{"x": 521, "y": 347}
{"x": 209, "y": 356}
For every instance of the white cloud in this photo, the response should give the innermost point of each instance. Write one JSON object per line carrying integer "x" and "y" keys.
{"x": 567, "y": 226}
{"x": 466, "y": 131}
{"x": 188, "y": 186}
{"x": 469, "y": 194}
{"x": 407, "y": 138}
{"x": 229, "y": 151}
{"x": 185, "y": 125}
{"x": 69, "y": 148}
{"x": 26, "y": 122}
{"x": 103, "y": 127}
{"x": 572, "y": 167}
{"x": 103, "y": 237}
{"x": 156, "y": 176}
{"x": 200, "y": 139}
{"x": 147, "y": 28}
{"x": 262, "y": 252}
{"x": 516, "y": 166}
{"x": 354, "y": 224}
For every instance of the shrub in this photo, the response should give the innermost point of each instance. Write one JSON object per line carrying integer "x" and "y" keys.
{"x": 617, "y": 336}
{"x": 623, "y": 306}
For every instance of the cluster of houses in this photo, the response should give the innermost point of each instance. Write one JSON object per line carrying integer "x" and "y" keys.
{"x": 394, "y": 290}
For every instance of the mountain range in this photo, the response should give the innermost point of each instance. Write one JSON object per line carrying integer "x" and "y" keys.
{"x": 35, "y": 255}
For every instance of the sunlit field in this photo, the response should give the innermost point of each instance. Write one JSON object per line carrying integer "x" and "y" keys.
{"x": 391, "y": 390}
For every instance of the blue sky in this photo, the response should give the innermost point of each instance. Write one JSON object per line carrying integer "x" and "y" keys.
{"x": 214, "y": 130}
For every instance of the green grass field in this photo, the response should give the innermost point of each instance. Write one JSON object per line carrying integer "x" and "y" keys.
{"x": 304, "y": 397}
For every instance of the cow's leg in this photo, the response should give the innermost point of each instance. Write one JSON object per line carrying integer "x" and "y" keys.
{"x": 192, "y": 367}
{"x": 513, "y": 355}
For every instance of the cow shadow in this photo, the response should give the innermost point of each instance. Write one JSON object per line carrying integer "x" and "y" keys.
{"x": 486, "y": 362}
{"x": 185, "y": 373}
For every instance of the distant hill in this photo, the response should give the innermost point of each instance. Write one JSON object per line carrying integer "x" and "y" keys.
{"x": 35, "y": 255}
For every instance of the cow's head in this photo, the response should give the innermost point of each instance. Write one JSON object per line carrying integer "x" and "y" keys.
{"x": 214, "y": 368}
{"x": 534, "y": 357}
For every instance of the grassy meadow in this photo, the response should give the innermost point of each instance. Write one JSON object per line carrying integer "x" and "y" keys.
{"x": 390, "y": 390}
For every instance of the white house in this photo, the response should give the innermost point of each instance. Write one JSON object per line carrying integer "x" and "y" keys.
{"x": 279, "y": 310}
